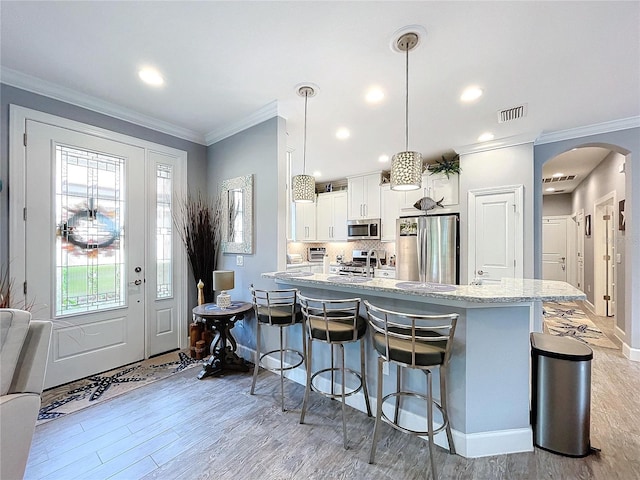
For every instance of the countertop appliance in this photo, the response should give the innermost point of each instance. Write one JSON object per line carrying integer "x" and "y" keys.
{"x": 368, "y": 229}
{"x": 358, "y": 265}
{"x": 429, "y": 243}
{"x": 316, "y": 254}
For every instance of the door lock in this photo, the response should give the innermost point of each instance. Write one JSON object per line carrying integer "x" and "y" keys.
{"x": 138, "y": 269}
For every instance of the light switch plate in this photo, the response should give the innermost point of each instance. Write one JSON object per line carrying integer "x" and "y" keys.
{"x": 239, "y": 260}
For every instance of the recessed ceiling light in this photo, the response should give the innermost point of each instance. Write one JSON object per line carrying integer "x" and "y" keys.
{"x": 470, "y": 94}
{"x": 383, "y": 158}
{"x": 550, "y": 189}
{"x": 151, "y": 76}
{"x": 485, "y": 137}
{"x": 317, "y": 174}
{"x": 374, "y": 95}
{"x": 343, "y": 133}
{"x": 557, "y": 175}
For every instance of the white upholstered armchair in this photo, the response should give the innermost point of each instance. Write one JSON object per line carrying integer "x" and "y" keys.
{"x": 24, "y": 349}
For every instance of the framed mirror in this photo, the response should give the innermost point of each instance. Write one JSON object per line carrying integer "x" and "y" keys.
{"x": 237, "y": 220}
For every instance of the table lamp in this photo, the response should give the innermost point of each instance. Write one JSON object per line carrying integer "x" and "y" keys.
{"x": 223, "y": 281}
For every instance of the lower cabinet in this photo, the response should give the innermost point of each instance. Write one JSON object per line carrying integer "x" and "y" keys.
{"x": 331, "y": 217}
{"x": 384, "y": 273}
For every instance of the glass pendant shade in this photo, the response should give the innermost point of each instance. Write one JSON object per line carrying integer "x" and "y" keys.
{"x": 303, "y": 188}
{"x": 406, "y": 171}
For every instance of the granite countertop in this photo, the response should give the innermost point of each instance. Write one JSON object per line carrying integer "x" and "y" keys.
{"x": 509, "y": 290}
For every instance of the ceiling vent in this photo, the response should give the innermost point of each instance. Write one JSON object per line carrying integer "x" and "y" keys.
{"x": 513, "y": 113}
{"x": 564, "y": 178}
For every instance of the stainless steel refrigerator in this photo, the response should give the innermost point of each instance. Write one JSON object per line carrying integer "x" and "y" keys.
{"x": 428, "y": 248}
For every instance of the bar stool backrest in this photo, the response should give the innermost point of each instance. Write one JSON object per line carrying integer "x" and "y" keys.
{"x": 324, "y": 314}
{"x": 413, "y": 340}
{"x": 275, "y": 307}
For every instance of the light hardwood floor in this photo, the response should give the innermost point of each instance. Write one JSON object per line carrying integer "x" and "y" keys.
{"x": 189, "y": 429}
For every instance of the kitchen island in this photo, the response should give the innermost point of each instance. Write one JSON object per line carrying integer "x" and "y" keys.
{"x": 489, "y": 375}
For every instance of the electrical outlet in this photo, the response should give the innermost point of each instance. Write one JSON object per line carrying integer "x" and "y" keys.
{"x": 239, "y": 260}
{"x": 385, "y": 368}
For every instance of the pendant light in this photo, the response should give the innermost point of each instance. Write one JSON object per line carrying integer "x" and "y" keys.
{"x": 406, "y": 167}
{"x": 303, "y": 187}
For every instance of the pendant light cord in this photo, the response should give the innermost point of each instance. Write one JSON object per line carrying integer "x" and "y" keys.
{"x": 304, "y": 143}
{"x": 406, "y": 105}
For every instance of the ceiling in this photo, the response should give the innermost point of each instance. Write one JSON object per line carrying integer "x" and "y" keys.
{"x": 230, "y": 64}
{"x": 566, "y": 171}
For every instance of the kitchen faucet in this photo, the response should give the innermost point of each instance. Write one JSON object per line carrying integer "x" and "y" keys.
{"x": 369, "y": 253}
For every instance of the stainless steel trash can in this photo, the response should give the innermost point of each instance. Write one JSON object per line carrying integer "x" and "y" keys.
{"x": 561, "y": 394}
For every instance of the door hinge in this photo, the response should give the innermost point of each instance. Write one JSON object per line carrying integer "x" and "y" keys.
{"x": 606, "y": 217}
{"x": 606, "y": 257}
{"x": 24, "y": 288}
{"x": 606, "y": 297}
{"x": 24, "y": 214}
{"x": 24, "y": 139}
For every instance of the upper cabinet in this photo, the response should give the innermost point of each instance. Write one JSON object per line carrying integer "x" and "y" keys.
{"x": 364, "y": 196}
{"x": 305, "y": 222}
{"x": 332, "y": 217}
{"x": 439, "y": 186}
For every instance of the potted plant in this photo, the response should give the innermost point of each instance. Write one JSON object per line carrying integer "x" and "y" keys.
{"x": 198, "y": 223}
{"x": 448, "y": 166}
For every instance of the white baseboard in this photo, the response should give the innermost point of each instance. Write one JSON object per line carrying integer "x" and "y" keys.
{"x": 632, "y": 354}
{"x": 590, "y": 306}
{"x": 619, "y": 333}
{"x": 470, "y": 445}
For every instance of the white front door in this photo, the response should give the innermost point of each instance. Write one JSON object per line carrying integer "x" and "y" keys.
{"x": 554, "y": 248}
{"x": 496, "y": 234}
{"x": 85, "y": 248}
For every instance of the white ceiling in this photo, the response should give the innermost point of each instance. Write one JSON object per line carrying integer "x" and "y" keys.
{"x": 229, "y": 63}
{"x": 578, "y": 163}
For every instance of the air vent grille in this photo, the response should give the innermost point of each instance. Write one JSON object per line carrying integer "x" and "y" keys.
{"x": 564, "y": 178}
{"x": 513, "y": 113}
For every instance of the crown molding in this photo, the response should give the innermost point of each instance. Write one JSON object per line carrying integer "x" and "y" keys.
{"x": 598, "y": 128}
{"x": 498, "y": 143}
{"x": 67, "y": 95}
{"x": 267, "y": 112}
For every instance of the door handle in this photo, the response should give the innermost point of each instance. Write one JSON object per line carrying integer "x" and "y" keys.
{"x": 480, "y": 272}
{"x": 136, "y": 282}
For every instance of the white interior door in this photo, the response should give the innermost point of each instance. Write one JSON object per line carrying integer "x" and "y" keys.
{"x": 496, "y": 234}
{"x": 554, "y": 248}
{"x": 580, "y": 249}
{"x": 604, "y": 254}
{"x": 85, "y": 248}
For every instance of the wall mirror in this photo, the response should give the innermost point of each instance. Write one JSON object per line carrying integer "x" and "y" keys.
{"x": 237, "y": 221}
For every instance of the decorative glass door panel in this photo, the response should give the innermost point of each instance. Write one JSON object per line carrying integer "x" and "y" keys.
{"x": 164, "y": 231}
{"x": 90, "y": 213}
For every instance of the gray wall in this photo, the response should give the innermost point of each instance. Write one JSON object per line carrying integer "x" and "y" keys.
{"x": 196, "y": 154}
{"x": 603, "y": 179}
{"x": 260, "y": 151}
{"x": 625, "y": 142}
{"x": 559, "y": 204}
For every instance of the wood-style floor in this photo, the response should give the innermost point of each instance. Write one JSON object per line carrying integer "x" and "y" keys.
{"x": 189, "y": 429}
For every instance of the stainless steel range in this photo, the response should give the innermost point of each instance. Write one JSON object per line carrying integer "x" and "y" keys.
{"x": 358, "y": 266}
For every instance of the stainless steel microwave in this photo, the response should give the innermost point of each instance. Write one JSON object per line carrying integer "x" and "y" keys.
{"x": 368, "y": 229}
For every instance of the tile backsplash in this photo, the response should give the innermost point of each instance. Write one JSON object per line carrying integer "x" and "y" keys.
{"x": 342, "y": 248}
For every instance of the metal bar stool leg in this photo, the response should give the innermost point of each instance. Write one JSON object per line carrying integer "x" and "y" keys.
{"x": 363, "y": 374}
{"x": 281, "y": 370}
{"x": 307, "y": 388}
{"x": 376, "y": 427}
{"x": 434, "y": 474}
{"x": 344, "y": 401}
{"x": 398, "y": 390}
{"x": 445, "y": 408}
{"x": 257, "y": 363}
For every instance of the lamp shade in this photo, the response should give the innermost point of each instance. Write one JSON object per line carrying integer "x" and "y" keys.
{"x": 406, "y": 171}
{"x": 223, "y": 280}
{"x": 303, "y": 188}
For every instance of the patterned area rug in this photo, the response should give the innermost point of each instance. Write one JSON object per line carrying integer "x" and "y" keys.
{"x": 74, "y": 396}
{"x": 566, "y": 319}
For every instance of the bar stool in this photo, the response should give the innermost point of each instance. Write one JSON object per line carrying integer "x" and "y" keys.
{"x": 276, "y": 308}
{"x": 334, "y": 322}
{"x": 415, "y": 341}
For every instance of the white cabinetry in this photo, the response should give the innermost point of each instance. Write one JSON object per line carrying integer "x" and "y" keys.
{"x": 384, "y": 273}
{"x": 395, "y": 204}
{"x": 332, "y": 217}
{"x": 438, "y": 186}
{"x": 305, "y": 222}
{"x": 364, "y": 196}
